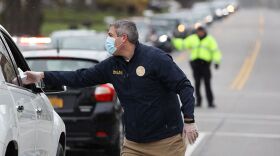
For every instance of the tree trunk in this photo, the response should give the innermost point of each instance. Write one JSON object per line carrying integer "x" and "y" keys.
{"x": 22, "y": 17}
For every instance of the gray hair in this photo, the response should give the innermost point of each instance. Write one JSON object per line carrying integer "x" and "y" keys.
{"x": 128, "y": 28}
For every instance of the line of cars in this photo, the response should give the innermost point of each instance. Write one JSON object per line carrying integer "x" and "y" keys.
{"x": 164, "y": 27}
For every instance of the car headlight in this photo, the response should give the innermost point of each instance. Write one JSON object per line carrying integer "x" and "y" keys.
{"x": 209, "y": 19}
{"x": 230, "y": 8}
{"x": 181, "y": 28}
{"x": 219, "y": 12}
{"x": 163, "y": 38}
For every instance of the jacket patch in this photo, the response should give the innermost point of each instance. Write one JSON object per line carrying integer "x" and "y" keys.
{"x": 140, "y": 71}
{"x": 117, "y": 72}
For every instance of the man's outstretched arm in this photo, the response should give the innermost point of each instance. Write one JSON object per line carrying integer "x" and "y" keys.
{"x": 76, "y": 79}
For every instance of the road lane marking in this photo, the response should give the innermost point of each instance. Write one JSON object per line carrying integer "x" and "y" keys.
{"x": 251, "y": 62}
{"x": 261, "y": 24}
{"x": 242, "y": 77}
{"x": 246, "y": 69}
{"x": 240, "y": 116}
{"x": 240, "y": 74}
{"x": 249, "y": 135}
{"x": 191, "y": 148}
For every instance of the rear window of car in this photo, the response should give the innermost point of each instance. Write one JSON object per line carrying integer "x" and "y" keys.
{"x": 80, "y": 42}
{"x": 58, "y": 64}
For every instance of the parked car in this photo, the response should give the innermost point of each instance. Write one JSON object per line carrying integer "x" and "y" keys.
{"x": 78, "y": 39}
{"x": 92, "y": 115}
{"x": 29, "y": 125}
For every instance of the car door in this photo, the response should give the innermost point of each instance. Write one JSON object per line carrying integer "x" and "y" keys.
{"x": 44, "y": 125}
{"x": 24, "y": 107}
{"x": 42, "y": 107}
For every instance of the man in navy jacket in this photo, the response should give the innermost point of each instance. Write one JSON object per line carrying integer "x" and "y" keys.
{"x": 147, "y": 82}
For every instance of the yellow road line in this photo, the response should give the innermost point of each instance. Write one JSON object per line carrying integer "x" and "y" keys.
{"x": 240, "y": 74}
{"x": 251, "y": 63}
{"x": 247, "y": 67}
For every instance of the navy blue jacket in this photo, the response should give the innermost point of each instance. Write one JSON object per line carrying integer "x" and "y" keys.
{"x": 148, "y": 94}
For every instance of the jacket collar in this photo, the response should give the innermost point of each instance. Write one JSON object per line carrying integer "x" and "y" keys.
{"x": 135, "y": 55}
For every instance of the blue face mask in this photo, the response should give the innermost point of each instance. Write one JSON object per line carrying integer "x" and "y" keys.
{"x": 110, "y": 45}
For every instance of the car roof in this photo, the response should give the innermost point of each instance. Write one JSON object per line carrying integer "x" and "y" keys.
{"x": 79, "y": 32}
{"x": 67, "y": 53}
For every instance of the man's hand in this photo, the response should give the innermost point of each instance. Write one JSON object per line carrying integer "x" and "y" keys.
{"x": 32, "y": 77}
{"x": 190, "y": 132}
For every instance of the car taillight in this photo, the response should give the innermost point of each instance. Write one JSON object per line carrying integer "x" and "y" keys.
{"x": 101, "y": 134}
{"x": 104, "y": 93}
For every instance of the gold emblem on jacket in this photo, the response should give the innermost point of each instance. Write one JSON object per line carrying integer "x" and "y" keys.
{"x": 140, "y": 71}
{"x": 117, "y": 72}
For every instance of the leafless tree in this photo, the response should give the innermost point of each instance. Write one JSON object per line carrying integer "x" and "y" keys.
{"x": 22, "y": 17}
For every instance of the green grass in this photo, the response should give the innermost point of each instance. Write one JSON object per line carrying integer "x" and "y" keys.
{"x": 58, "y": 19}
{"x": 49, "y": 27}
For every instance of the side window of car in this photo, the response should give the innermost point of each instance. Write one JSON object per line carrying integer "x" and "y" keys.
{"x": 6, "y": 66}
{"x": 17, "y": 59}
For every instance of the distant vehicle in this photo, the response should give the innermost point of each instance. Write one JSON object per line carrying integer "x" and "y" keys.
{"x": 143, "y": 27}
{"x": 233, "y": 6}
{"x": 161, "y": 33}
{"x": 92, "y": 115}
{"x": 203, "y": 10}
{"x": 29, "y": 43}
{"x": 218, "y": 7}
{"x": 29, "y": 125}
{"x": 78, "y": 39}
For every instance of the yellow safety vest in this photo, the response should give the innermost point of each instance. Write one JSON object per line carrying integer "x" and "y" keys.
{"x": 205, "y": 49}
{"x": 178, "y": 43}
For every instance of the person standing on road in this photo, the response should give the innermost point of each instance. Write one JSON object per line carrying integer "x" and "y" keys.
{"x": 203, "y": 51}
{"x": 147, "y": 82}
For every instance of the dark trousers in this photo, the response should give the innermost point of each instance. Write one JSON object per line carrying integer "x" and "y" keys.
{"x": 201, "y": 71}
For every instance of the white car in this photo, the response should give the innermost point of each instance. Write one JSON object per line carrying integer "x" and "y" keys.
{"x": 29, "y": 125}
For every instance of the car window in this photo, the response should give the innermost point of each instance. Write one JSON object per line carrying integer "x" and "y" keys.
{"x": 58, "y": 64}
{"x": 6, "y": 66}
{"x": 17, "y": 60}
{"x": 95, "y": 42}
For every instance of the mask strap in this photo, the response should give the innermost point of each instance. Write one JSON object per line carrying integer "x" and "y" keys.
{"x": 120, "y": 44}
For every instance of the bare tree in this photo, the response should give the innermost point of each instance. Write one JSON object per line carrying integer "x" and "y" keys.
{"x": 22, "y": 17}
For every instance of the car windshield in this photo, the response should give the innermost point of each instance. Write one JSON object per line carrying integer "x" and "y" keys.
{"x": 58, "y": 64}
{"x": 80, "y": 42}
{"x": 163, "y": 26}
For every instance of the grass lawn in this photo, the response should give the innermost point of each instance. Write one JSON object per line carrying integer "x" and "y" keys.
{"x": 58, "y": 19}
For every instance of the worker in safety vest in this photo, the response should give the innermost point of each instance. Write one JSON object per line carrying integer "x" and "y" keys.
{"x": 203, "y": 50}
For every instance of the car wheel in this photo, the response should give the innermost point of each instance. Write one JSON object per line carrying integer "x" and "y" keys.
{"x": 60, "y": 150}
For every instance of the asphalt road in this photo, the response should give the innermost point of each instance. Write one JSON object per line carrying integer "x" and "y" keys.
{"x": 246, "y": 121}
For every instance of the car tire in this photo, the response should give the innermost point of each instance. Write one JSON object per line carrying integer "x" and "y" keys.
{"x": 60, "y": 150}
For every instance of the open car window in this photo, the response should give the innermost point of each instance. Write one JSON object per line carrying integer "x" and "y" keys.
{"x": 17, "y": 60}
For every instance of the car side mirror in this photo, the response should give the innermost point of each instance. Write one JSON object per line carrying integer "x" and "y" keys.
{"x": 50, "y": 88}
